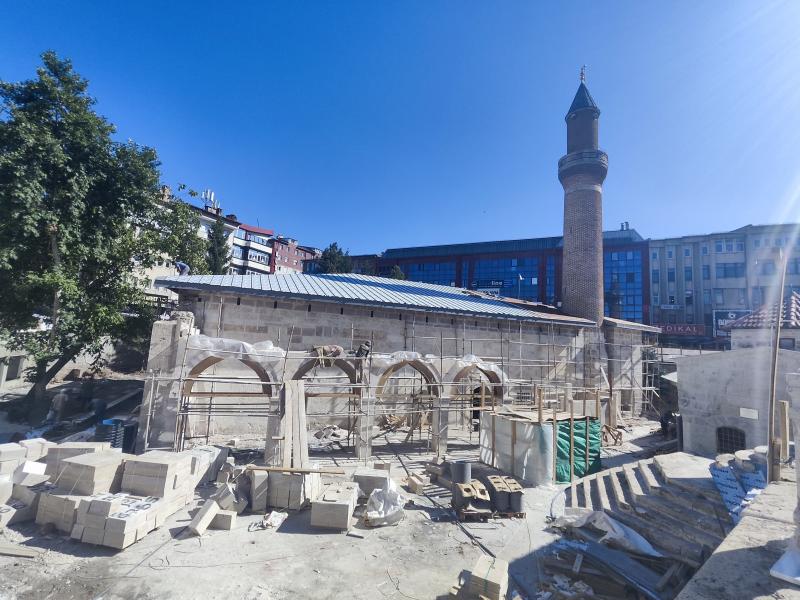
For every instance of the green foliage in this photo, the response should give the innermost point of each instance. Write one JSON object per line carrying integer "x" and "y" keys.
{"x": 175, "y": 235}
{"x": 396, "y": 273}
{"x": 72, "y": 204}
{"x": 218, "y": 251}
{"x": 335, "y": 260}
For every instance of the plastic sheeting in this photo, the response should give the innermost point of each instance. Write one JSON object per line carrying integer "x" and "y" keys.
{"x": 522, "y": 448}
{"x": 385, "y": 506}
{"x": 580, "y": 469}
{"x": 201, "y": 347}
{"x": 615, "y": 532}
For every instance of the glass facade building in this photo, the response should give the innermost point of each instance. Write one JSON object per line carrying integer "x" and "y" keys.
{"x": 531, "y": 270}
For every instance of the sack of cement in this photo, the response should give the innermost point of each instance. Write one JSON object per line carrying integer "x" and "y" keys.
{"x": 384, "y": 507}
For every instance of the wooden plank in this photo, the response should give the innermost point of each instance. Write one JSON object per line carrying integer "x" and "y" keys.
{"x": 540, "y": 402}
{"x": 586, "y": 448}
{"x": 15, "y": 550}
{"x": 786, "y": 431}
{"x": 324, "y": 471}
{"x": 597, "y": 404}
{"x": 288, "y": 427}
{"x": 513, "y": 444}
{"x": 494, "y": 450}
{"x": 301, "y": 409}
{"x": 571, "y": 440}
{"x": 555, "y": 441}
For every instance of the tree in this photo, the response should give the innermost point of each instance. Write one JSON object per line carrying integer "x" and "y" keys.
{"x": 396, "y": 273}
{"x": 72, "y": 205}
{"x": 334, "y": 260}
{"x": 218, "y": 250}
{"x": 175, "y": 234}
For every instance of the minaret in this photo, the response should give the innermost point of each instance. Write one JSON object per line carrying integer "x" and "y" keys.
{"x": 581, "y": 172}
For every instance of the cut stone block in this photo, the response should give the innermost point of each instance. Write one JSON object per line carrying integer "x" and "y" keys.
{"x": 225, "y": 497}
{"x": 204, "y": 517}
{"x": 417, "y": 483}
{"x": 118, "y": 540}
{"x": 371, "y": 479}
{"x": 224, "y": 519}
{"x": 334, "y": 507}
{"x": 12, "y": 451}
{"x": 259, "y": 488}
{"x": 292, "y": 490}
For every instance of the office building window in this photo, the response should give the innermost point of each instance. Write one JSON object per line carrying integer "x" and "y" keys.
{"x": 441, "y": 273}
{"x": 704, "y": 250}
{"x": 687, "y": 252}
{"x": 670, "y": 274}
{"x": 550, "y": 280}
{"x": 742, "y": 295}
{"x": 656, "y": 276}
{"x": 656, "y": 298}
{"x": 706, "y": 296}
{"x": 687, "y": 273}
{"x": 654, "y": 255}
{"x": 689, "y": 298}
{"x": 767, "y": 267}
{"x": 622, "y": 283}
{"x": 706, "y": 272}
{"x": 719, "y": 296}
{"x": 672, "y": 299}
{"x": 511, "y": 277}
{"x": 739, "y": 246}
{"x": 728, "y": 245}
{"x": 729, "y": 270}
{"x": 719, "y": 246}
{"x": 757, "y": 243}
{"x": 670, "y": 253}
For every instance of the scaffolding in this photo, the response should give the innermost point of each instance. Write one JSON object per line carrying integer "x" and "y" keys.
{"x": 542, "y": 376}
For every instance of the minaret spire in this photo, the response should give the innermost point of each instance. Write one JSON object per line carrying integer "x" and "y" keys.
{"x": 583, "y": 74}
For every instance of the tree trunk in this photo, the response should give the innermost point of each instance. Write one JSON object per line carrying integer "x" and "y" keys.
{"x": 38, "y": 402}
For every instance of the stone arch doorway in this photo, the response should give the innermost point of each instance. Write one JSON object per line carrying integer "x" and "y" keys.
{"x": 405, "y": 396}
{"x": 209, "y": 406}
{"x": 475, "y": 387}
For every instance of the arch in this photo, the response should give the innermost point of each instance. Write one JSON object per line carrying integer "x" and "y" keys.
{"x": 342, "y": 364}
{"x": 495, "y": 377}
{"x": 730, "y": 439}
{"x": 431, "y": 378}
{"x": 210, "y": 361}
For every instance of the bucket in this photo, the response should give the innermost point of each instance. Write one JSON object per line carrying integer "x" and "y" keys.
{"x": 461, "y": 471}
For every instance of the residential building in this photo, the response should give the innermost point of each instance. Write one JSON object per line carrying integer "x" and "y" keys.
{"x": 251, "y": 252}
{"x": 701, "y": 283}
{"x": 289, "y": 256}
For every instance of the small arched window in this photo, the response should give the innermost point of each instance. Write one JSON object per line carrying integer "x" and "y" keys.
{"x": 730, "y": 439}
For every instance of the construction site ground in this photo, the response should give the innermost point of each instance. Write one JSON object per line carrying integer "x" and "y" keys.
{"x": 420, "y": 558}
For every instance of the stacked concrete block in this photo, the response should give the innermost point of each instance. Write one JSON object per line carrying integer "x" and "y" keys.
{"x": 206, "y": 462}
{"x": 204, "y": 517}
{"x": 30, "y": 473}
{"x": 259, "y": 491}
{"x": 224, "y": 519}
{"x": 15, "y": 511}
{"x": 334, "y": 507}
{"x": 135, "y": 519}
{"x": 59, "y": 509}
{"x": 489, "y": 579}
{"x": 92, "y": 473}
{"x": 292, "y": 490}
{"x": 11, "y": 456}
{"x": 36, "y": 448}
{"x": 371, "y": 479}
{"x": 56, "y": 454}
{"x": 158, "y": 474}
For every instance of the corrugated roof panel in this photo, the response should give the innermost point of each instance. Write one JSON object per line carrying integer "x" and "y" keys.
{"x": 363, "y": 289}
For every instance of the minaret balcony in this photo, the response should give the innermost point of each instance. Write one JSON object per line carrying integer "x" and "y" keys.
{"x": 585, "y": 161}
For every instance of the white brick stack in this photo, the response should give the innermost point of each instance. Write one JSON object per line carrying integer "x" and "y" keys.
{"x": 161, "y": 474}
{"x": 55, "y": 454}
{"x": 92, "y": 473}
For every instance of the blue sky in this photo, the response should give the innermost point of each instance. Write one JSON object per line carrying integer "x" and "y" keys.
{"x": 385, "y": 124}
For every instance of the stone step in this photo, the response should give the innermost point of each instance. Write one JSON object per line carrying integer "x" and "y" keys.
{"x": 586, "y": 492}
{"x": 602, "y": 493}
{"x": 700, "y": 522}
{"x": 663, "y": 539}
{"x": 651, "y": 483}
{"x": 634, "y": 487}
{"x": 616, "y": 489}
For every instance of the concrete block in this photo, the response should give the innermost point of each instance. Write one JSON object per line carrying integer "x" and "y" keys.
{"x": 381, "y": 465}
{"x": 204, "y": 516}
{"x": 417, "y": 483}
{"x": 12, "y": 451}
{"x": 291, "y": 490}
{"x": 93, "y": 535}
{"x": 225, "y": 497}
{"x": 15, "y": 511}
{"x": 334, "y": 507}
{"x": 224, "y": 519}
{"x": 370, "y": 479}
{"x": 259, "y": 486}
{"x": 119, "y": 540}
{"x": 6, "y": 490}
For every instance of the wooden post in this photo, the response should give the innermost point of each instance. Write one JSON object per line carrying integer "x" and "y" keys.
{"x": 597, "y": 404}
{"x": 571, "y": 441}
{"x": 586, "y": 450}
{"x": 783, "y": 407}
{"x": 513, "y": 444}
{"x": 585, "y": 400}
{"x": 540, "y": 401}
{"x": 494, "y": 455}
{"x": 555, "y": 440}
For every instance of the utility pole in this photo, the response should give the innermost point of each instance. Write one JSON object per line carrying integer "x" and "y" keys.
{"x": 772, "y": 473}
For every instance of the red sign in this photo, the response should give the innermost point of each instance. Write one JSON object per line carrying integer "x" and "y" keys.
{"x": 683, "y": 329}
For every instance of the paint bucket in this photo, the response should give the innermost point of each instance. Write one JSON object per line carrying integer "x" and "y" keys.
{"x": 515, "y": 501}
{"x": 460, "y": 471}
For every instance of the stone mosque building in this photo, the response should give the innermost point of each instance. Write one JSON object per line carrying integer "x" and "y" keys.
{"x": 434, "y": 352}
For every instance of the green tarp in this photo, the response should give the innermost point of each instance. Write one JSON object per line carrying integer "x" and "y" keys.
{"x": 579, "y": 439}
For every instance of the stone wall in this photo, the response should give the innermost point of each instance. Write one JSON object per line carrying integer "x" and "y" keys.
{"x": 729, "y": 389}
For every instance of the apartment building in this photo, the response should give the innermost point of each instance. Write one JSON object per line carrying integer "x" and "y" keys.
{"x": 701, "y": 283}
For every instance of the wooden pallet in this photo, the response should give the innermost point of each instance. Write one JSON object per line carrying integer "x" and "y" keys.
{"x": 478, "y": 516}
{"x": 509, "y": 515}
